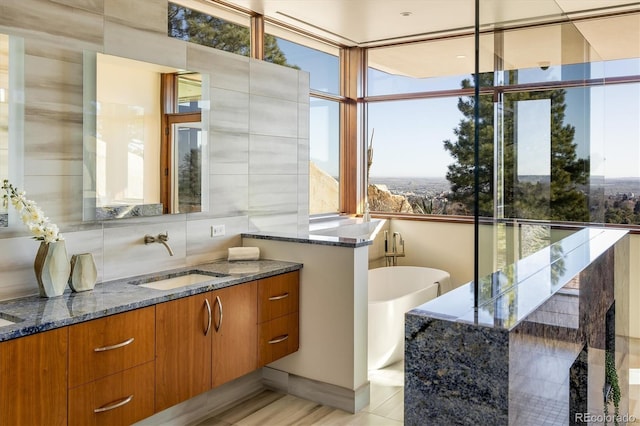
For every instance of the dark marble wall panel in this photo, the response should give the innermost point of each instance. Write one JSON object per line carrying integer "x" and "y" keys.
{"x": 550, "y": 365}
{"x": 578, "y": 390}
{"x": 455, "y": 373}
{"x": 596, "y": 297}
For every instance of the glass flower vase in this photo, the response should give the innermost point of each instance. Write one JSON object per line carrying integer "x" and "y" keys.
{"x": 52, "y": 268}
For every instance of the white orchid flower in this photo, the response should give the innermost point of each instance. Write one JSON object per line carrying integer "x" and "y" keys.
{"x": 32, "y": 216}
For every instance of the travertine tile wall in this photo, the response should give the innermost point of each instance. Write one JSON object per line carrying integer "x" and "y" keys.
{"x": 258, "y": 139}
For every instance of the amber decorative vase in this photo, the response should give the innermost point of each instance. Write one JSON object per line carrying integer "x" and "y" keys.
{"x": 52, "y": 268}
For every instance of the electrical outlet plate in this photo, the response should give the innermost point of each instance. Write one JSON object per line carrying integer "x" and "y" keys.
{"x": 217, "y": 231}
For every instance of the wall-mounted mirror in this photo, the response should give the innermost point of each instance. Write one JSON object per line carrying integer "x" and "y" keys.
{"x": 11, "y": 116}
{"x": 145, "y": 139}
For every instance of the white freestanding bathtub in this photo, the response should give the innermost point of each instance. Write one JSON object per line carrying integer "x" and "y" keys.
{"x": 393, "y": 291}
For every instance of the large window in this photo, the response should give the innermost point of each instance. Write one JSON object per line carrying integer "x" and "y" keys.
{"x": 229, "y": 32}
{"x": 558, "y": 131}
{"x": 322, "y": 62}
{"x": 408, "y": 172}
{"x": 221, "y": 28}
{"x": 559, "y": 93}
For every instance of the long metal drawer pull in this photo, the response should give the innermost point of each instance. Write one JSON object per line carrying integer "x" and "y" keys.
{"x": 280, "y": 297}
{"x": 219, "y": 302}
{"x": 278, "y": 339}
{"x": 206, "y": 302}
{"x": 114, "y": 406}
{"x": 119, "y": 345}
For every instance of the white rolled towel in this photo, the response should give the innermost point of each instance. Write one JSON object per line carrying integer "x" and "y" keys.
{"x": 244, "y": 253}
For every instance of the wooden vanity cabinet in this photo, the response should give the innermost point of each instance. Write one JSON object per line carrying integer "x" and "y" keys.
{"x": 111, "y": 369}
{"x": 278, "y": 307}
{"x": 33, "y": 379}
{"x": 235, "y": 334}
{"x": 183, "y": 349}
{"x": 209, "y": 339}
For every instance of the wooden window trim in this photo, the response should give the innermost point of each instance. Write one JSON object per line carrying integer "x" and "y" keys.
{"x": 169, "y": 105}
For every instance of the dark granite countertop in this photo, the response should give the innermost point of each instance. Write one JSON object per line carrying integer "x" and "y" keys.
{"x": 531, "y": 281}
{"x": 34, "y": 314}
{"x": 326, "y": 240}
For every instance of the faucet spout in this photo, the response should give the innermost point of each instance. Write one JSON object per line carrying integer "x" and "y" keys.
{"x": 397, "y": 248}
{"x": 162, "y": 239}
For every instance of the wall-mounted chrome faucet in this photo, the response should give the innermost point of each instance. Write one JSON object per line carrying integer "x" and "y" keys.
{"x": 161, "y": 238}
{"x": 397, "y": 248}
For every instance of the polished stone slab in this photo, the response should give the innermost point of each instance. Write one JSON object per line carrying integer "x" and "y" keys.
{"x": 533, "y": 353}
{"x": 323, "y": 240}
{"x": 36, "y": 314}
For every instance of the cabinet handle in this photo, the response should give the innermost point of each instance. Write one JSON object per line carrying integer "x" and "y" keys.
{"x": 278, "y": 339}
{"x": 116, "y": 346}
{"x": 206, "y": 303}
{"x": 280, "y": 297}
{"x": 120, "y": 403}
{"x": 219, "y": 324}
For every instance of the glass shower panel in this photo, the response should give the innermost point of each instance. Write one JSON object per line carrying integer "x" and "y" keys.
{"x": 518, "y": 140}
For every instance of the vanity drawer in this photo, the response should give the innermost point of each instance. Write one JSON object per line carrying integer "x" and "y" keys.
{"x": 111, "y": 344}
{"x": 277, "y": 338}
{"x": 278, "y": 296}
{"x": 120, "y": 399}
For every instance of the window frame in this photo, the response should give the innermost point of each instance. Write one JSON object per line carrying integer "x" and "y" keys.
{"x": 353, "y": 99}
{"x": 169, "y": 99}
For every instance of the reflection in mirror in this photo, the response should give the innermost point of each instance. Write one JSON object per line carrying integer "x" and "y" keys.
{"x": 11, "y": 115}
{"x": 144, "y": 138}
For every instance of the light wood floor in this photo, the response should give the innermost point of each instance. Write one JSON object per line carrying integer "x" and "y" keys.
{"x": 270, "y": 408}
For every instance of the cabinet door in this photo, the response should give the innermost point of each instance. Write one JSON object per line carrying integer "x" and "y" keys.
{"x": 183, "y": 349}
{"x": 235, "y": 332}
{"x": 33, "y": 379}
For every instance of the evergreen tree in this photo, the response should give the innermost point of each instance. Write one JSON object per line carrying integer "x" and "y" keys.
{"x": 460, "y": 174}
{"x": 562, "y": 198}
{"x": 207, "y": 30}
{"x": 189, "y": 182}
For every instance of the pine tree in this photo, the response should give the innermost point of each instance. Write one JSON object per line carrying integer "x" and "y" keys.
{"x": 563, "y": 198}
{"x": 197, "y": 27}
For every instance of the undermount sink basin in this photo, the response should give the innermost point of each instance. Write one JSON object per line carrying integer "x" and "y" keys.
{"x": 179, "y": 281}
{"x": 4, "y": 322}
{"x": 8, "y": 320}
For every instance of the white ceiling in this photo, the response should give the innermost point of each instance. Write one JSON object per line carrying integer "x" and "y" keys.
{"x": 371, "y": 23}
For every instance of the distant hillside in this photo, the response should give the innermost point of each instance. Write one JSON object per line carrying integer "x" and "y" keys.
{"x": 430, "y": 186}
{"x": 614, "y": 186}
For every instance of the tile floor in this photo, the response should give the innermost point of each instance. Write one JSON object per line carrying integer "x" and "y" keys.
{"x": 270, "y": 408}
{"x": 386, "y": 408}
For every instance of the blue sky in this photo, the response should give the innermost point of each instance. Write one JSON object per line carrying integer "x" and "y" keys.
{"x": 409, "y": 135}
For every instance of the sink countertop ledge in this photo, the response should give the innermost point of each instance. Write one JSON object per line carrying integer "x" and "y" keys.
{"x": 35, "y": 314}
